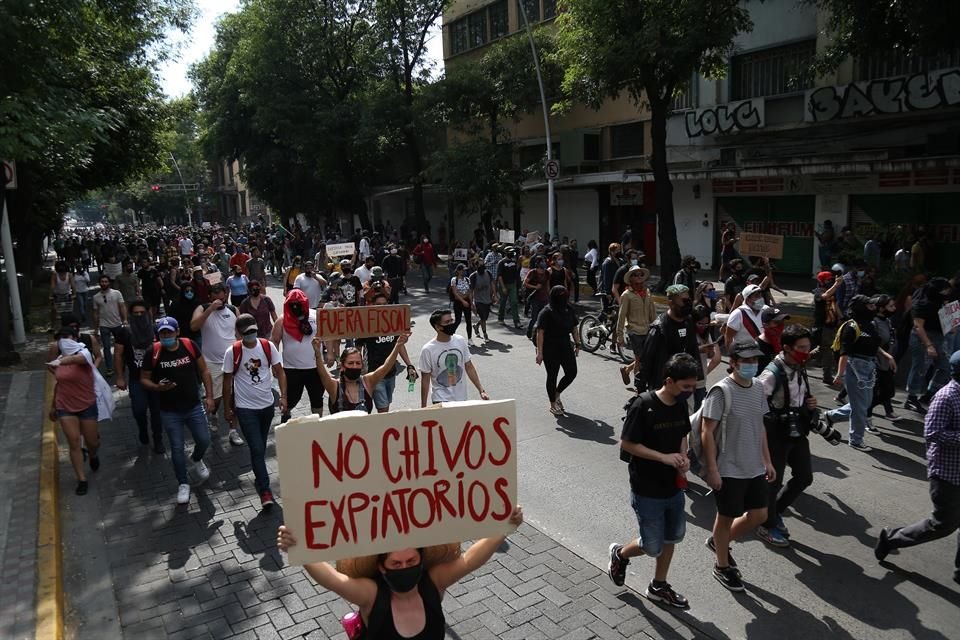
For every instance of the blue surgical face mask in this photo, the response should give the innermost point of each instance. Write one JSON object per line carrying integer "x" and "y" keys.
{"x": 168, "y": 342}
{"x": 712, "y": 294}
{"x": 748, "y": 370}
{"x": 188, "y": 295}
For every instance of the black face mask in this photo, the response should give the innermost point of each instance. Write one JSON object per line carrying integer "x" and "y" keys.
{"x": 352, "y": 373}
{"x": 686, "y": 308}
{"x": 255, "y": 291}
{"x": 403, "y": 580}
{"x": 448, "y": 329}
{"x": 296, "y": 309}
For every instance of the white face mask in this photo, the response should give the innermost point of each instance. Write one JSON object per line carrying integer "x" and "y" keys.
{"x": 757, "y": 305}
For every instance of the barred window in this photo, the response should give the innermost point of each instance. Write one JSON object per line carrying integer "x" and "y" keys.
{"x": 533, "y": 11}
{"x": 773, "y": 71}
{"x": 626, "y": 140}
{"x": 459, "y": 41}
{"x": 477, "y": 23}
{"x": 499, "y": 24}
{"x": 887, "y": 64}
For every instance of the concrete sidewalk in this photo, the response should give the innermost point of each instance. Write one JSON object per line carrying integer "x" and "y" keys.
{"x": 138, "y": 566}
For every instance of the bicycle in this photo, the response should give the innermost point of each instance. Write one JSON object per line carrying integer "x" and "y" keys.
{"x": 597, "y": 329}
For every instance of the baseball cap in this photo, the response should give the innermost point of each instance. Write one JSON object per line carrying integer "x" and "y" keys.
{"x": 824, "y": 277}
{"x": 838, "y": 267}
{"x": 246, "y": 323}
{"x": 955, "y": 364}
{"x": 772, "y": 314}
{"x": 167, "y": 323}
{"x": 750, "y": 289}
{"x": 746, "y": 349}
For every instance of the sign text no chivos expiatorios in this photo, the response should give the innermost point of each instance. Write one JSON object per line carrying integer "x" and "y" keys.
{"x": 357, "y": 484}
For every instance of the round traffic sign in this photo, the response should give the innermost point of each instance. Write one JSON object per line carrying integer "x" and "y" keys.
{"x": 552, "y": 169}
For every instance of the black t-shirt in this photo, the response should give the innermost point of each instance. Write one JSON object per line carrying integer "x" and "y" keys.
{"x": 508, "y": 270}
{"x": 378, "y": 350}
{"x": 659, "y": 427}
{"x": 556, "y": 326}
{"x": 618, "y": 276}
{"x": 352, "y": 290}
{"x": 179, "y": 367}
{"x": 133, "y": 357}
{"x": 393, "y": 266}
{"x": 558, "y": 277}
{"x": 864, "y": 346}
{"x": 148, "y": 283}
{"x": 733, "y": 286}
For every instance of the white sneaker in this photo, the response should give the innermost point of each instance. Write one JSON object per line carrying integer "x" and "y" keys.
{"x": 236, "y": 438}
{"x": 183, "y": 494}
{"x": 201, "y": 470}
{"x": 213, "y": 423}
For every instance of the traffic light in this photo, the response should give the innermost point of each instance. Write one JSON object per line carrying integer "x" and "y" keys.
{"x": 154, "y": 187}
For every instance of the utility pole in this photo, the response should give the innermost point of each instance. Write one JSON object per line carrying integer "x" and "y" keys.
{"x": 551, "y": 194}
{"x": 186, "y": 198}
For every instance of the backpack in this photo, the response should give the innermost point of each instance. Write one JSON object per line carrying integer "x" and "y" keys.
{"x": 837, "y": 338}
{"x": 238, "y": 353}
{"x": 232, "y": 308}
{"x": 644, "y": 399}
{"x": 187, "y": 343}
{"x": 695, "y": 452}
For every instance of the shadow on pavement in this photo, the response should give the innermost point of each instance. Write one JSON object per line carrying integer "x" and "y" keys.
{"x": 768, "y": 623}
{"x": 259, "y": 537}
{"x": 833, "y": 520}
{"x": 655, "y": 613}
{"x": 829, "y": 467}
{"x": 950, "y": 595}
{"x": 577, "y": 426}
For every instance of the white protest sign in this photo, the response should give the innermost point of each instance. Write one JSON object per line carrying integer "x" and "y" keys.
{"x": 357, "y": 484}
{"x": 533, "y": 237}
{"x": 112, "y": 269}
{"x": 213, "y": 278}
{"x": 460, "y": 254}
{"x": 950, "y": 316}
{"x": 341, "y": 249}
{"x": 507, "y": 236}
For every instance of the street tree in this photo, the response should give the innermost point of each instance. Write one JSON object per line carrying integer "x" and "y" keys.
{"x": 649, "y": 49}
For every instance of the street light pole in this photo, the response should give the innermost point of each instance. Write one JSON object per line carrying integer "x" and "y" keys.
{"x": 551, "y": 195}
{"x": 184, "y": 187}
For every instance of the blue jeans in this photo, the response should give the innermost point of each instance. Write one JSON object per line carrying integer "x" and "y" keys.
{"x": 106, "y": 341}
{"x": 255, "y": 425}
{"x": 661, "y": 521}
{"x": 141, "y": 401}
{"x": 858, "y": 380}
{"x": 920, "y": 362}
{"x": 173, "y": 423}
{"x": 427, "y": 272}
{"x": 383, "y": 392}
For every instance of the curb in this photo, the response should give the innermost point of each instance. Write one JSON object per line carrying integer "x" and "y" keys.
{"x": 49, "y": 596}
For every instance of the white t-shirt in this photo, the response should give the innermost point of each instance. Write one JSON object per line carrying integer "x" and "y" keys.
{"x": 592, "y": 257}
{"x": 251, "y": 384}
{"x": 107, "y": 305}
{"x": 217, "y": 334}
{"x": 364, "y": 249}
{"x": 444, "y": 362}
{"x": 735, "y": 322}
{"x": 311, "y": 287}
{"x": 186, "y": 246}
{"x": 300, "y": 354}
{"x": 363, "y": 273}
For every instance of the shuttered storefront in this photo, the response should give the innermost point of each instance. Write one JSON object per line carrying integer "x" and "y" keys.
{"x": 789, "y": 216}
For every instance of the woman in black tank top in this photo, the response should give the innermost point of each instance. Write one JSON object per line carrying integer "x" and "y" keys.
{"x": 354, "y": 390}
{"x": 400, "y": 599}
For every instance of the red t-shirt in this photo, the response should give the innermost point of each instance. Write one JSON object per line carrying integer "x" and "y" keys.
{"x": 239, "y": 259}
{"x": 75, "y": 391}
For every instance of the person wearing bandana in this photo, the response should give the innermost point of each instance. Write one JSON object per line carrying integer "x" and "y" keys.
{"x": 399, "y": 594}
{"x": 292, "y": 334}
{"x": 134, "y": 343}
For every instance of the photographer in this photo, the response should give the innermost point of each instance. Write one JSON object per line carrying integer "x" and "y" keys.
{"x": 376, "y": 284}
{"x": 793, "y": 414}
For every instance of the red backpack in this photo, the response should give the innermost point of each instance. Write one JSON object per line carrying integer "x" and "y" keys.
{"x": 187, "y": 343}
{"x": 238, "y": 352}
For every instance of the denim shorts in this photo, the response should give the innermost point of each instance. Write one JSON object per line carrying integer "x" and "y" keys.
{"x": 383, "y": 392}
{"x": 90, "y": 413}
{"x": 661, "y": 520}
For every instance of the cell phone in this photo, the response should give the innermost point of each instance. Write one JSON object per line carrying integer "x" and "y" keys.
{"x": 164, "y": 381}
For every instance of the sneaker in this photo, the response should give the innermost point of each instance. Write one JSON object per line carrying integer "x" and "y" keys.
{"x": 782, "y": 527}
{"x": 625, "y": 375}
{"x": 183, "y": 494}
{"x": 82, "y": 488}
{"x": 485, "y": 338}
{"x": 713, "y": 547}
{"x": 913, "y": 404}
{"x": 470, "y": 341}
{"x": 266, "y": 499}
{"x": 213, "y": 423}
{"x": 664, "y": 593}
{"x": 201, "y": 470}
{"x": 555, "y": 410}
{"x": 772, "y": 537}
{"x": 617, "y": 568}
{"x": 882, "y": 547}
{"x": 560, "y": 403}
{"x": 728, "y": 577}
{"x": 892, "y": 417}
{"x": 860, "y": 446}
{"x": 476, "y": 327}
{"x": 94, "y": 463}
{"x": 871, "y": 428}
{"x": 235, "y": 438}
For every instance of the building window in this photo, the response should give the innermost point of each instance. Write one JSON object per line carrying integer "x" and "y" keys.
{"x": 533, "y": 11}
{"x": 499, "y": 23}
{"x": 549, "y": 9}
{"x": 686, "y": 96}
{"x": 887, "y": 64}
{"x": 772, "y": 72}
{"x": 626, "y": 140}
{"x": 459, "y": 36}
{"x": 477, "y": 24}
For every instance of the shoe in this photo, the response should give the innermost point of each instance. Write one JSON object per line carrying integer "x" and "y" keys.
{"x": 81, "y": 488}
{"x": 617, "y": 568}
{"x": 142, "y": 434}
{"x": 470, "y": 341}
{"x": 560, "y": 404}
{"x": 713, "y": 547}
{"x": 772, "y": 537}
{"x": 892, "y": 417}
{"x": 213, "y": 423}
{"x": 183, "y": 494}
{"x": 516, "y": 325}
{"x": 476, "y": 328}
{"x": 625, "y": 375}
{"x": 728, "y": 577}
{"x": 266, "y": 499}
{"x": 860, "y": 446}
{"x": 94, "y": 463}
{"x": 485, "y": 338}
{"x": 882, "y": 547}
{"x": 201, "y": 470}
{"x": 235, "y": 438}
{"x": 664, "y": 593}
{"x": 913, "y": 404}
{"x": 871, "y": 428}
{"x": 782, "y": 527}
{"x": 555, "y": 410}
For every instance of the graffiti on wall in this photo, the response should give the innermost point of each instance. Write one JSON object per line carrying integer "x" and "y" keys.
{"x": 786, "y": 228}
{"x": 726, "y": 118}
{"x": 904, "y": 94}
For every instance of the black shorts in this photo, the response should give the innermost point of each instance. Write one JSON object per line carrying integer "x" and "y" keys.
{"x": 297, "y": 381}
{"x": 483, "y": 310}
{"x": 739, "y": 495}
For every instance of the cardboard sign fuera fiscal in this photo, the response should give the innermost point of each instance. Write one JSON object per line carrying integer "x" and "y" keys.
{"x": 340, "y": 250}
{"x": 950, "y": 316}
{"x": 368, "y": 321}
{"x": 764, "y": 245}
{"x": 357, "y": 484}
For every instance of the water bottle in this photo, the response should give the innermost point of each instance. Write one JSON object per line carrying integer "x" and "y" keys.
{"x": 352, "y": 625}
{"x": 410, "y": 383}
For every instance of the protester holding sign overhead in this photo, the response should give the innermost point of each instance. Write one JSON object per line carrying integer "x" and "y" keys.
{"x": 400, "y": 595}
{"x": 354, "y": 391}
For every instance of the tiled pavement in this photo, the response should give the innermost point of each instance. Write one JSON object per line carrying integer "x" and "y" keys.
{"x": 212, "y": 570}
{"x": 22, "y": 410}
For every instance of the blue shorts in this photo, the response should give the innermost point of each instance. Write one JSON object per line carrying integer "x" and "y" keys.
{"x": 383, "y": 392}
{"x": 661, "y": 520}
{"x": 90, "y": 413}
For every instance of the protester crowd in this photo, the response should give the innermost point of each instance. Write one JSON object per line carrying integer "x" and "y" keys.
{"x": 181, "y": 319}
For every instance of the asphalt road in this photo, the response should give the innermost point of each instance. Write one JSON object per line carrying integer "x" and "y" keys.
{"x": 574, "y": 488}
